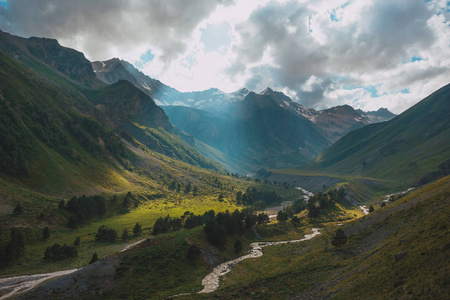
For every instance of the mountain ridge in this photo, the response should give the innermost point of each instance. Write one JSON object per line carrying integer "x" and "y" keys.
{"x": 408, "y": 146}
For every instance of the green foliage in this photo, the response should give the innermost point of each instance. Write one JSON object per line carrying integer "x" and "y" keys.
{"x": 191, "y": 220}
{"x": 18, "y": 210}
{"x": 85, "y": 208}
{"x": 94, "y": 258}
{"x": 339, "y": 239}
{"x": 58, "y": 252}
{"x": 163, "y": 225}
{"x": 215, "y": 233}
{"x": 253, "y": 196}
{"x": 237, "y": 247}
{"x": 106, "y": 234}
{"x": 125, "y": 235}
{"x": 404, "y": 150}
{"x": 193, "y": 252}
{"x": 282, "y": 216}
{"x": 262, "y": 218}
{"x": 14, "y": 143}
{"x": 137, "y": 229}
{"x": 46, "y": 233}
{"x": 443, "y": 170}
{"x": 325, "y": 200}
{"x": 15, "y": 247}
{"x": 76, "y": 242}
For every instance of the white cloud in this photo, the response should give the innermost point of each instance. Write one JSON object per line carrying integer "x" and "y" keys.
{"x": 322, "y": 53}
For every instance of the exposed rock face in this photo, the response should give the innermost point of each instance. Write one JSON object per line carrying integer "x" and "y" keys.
{"x": 68, "y": 61}
{"x": 122, "y": 103}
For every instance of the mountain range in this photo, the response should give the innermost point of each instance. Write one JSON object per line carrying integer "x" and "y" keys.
{"x": 406, "y": 148}
{"x": 145, "y": 153}
{"x": 236, "y": 125}
{"x": 60, "y": 121}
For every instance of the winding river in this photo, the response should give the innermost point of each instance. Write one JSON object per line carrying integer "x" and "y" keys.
{"x": 211, "y": 281}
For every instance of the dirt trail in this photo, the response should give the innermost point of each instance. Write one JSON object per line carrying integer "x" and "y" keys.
{"x": 211, "y": 281}
{"x": 19, "y": 284}
{"x": 128, "y": 247}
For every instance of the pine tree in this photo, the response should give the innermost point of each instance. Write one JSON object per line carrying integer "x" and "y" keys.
{"x": 237, "y": 247}
{"x": 94, "y": 258}
{"x": 15, "y": 247}
{"x": 125, "y": 235}
{"x": 371, "y": 209}
{"x": 340, "y": 239}
{"x": 18, "y": 210}
{"x": 137, "y": 229}
{"x": 76, "y": 242}
{"x": 45, "y": 233}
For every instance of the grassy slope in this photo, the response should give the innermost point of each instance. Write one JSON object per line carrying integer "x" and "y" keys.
{"x": 152, "y": 178}
{"x": 401, "y": 150}
{"x": 365, "y": 268}
{"x": 58, "y": 164}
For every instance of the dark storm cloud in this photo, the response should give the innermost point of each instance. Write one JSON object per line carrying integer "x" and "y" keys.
{"x": 105, "y": 27}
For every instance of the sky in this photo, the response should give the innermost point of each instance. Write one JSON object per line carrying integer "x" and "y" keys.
{"x": 368, "y": 54}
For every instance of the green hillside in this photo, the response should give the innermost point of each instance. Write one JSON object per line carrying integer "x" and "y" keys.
{"x": 416, "y": 226}
{"x": 404, "y": 149}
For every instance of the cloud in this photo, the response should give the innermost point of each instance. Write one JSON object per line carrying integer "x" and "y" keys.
{"x": 365, "y": 42}
{"x": 109, "y": 28}
{"x": 321, "y": 53}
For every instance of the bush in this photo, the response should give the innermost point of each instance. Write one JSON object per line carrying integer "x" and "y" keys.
{"x": 106, "y": 234}
{"x": 339, "y": 239}
{"x": 237, "y": 247}
{"x": 18, "y": 210}
{"x": 94, "y": 258}
{"x": 58, "y": 252}
{"x": 193, "y": 252}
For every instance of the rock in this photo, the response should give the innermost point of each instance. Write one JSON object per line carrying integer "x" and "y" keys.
{"x": 400, "y": 256}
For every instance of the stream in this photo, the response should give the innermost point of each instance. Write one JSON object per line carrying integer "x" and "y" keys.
{"x": 211, "y": 281}
{"x": 387, "y": 197}
{"x": 19, "y": 284}
{"x": 307, "y": 195}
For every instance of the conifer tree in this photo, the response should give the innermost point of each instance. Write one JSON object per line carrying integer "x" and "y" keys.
{"x": 94, "y": 258}
{"x": 137, "y": 229}
{"x": 45, "y": 233}
{"x": 125, "y": 235}
{"x": 339, "y": 239}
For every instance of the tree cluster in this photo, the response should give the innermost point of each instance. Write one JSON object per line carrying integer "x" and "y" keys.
{"x": 324, "y": 200}
{"x": 252, "y": 196}
{"x": 14, "y": 142}
{"x": 14, "y": 248}
{"x": 191, "y": 220}
{"x": 58, "y": 252}
{"x": 226, "y": 223}
{"x": 339, "y": 239}
{"x": 163, "y": 225}
{"x": 84, "y": 208}
{"x": 106, "y": 234}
